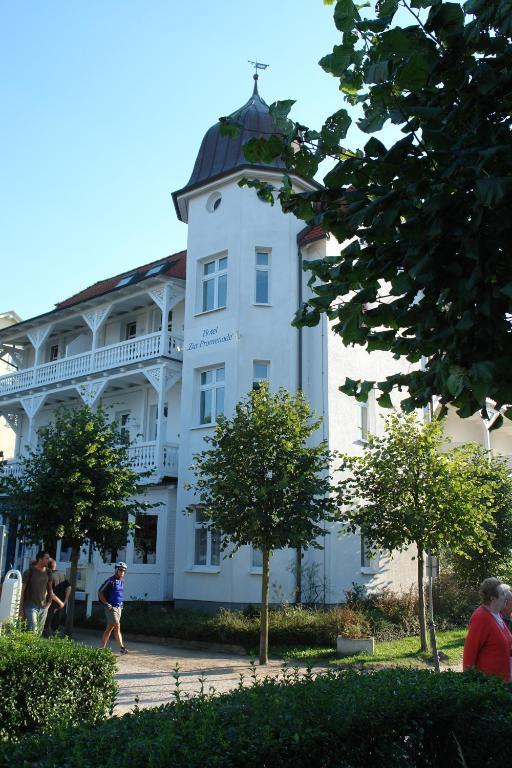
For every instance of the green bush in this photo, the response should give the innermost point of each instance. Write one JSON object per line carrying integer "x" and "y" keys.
{"x": 398, "y": 718}
{"x": 454, "y": 603}
{"x": 46, "y": 685}
{"x": 287, "y": 625}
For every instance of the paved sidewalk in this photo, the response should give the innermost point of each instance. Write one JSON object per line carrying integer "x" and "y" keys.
{"x": 145, "y": 674}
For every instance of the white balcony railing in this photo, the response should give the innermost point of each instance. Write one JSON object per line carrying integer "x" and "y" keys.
{"x": 143, "y": 458}
{"x": 113, "y": 356}
{"x": 12, "y": 468}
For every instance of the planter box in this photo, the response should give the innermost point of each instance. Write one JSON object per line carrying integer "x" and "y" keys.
{"x": 347, "y": 646}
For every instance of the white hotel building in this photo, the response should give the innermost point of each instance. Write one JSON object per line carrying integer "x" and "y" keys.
{"x": 168, "y": 346}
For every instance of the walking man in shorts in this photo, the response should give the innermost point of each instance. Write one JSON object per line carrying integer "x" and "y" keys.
{"x": 111, "y": 595}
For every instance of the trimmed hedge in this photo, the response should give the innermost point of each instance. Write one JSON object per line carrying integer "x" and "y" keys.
{"x": 47, "y": 685}
{"x": 398, "y": 718}
{"x": 287, "y": 626}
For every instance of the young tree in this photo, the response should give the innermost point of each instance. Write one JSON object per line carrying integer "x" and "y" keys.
{"x": 404, "y": 490}
{"x": 77, "y": 484}
{"x": 261, "y": 483}
{"x": 497, "y": 561}
{"x": 429, "y": 213}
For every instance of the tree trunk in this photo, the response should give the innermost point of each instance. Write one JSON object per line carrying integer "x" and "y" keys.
{"x": 431, "y": 624}
{"x": 298, "y": 576}
{"x": 264, "y": 608}
{"x": 421, "y": 600}
{"x": 70, "y": 613}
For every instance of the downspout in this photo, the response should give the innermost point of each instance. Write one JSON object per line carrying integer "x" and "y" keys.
{"x": 298, "y": 551}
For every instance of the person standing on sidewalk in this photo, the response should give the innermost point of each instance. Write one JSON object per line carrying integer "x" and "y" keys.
{"x": 111, "y": 595}
{"x": 36, "y": 593}
{"x": 61, "y": 591}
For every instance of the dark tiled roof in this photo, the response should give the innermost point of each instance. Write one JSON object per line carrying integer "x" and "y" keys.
{"x": 310, "y": 234}
{"x": 219, "y": 155}
{"x": 175, "y": 267}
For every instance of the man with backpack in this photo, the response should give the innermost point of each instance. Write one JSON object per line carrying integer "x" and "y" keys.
{"x": 61, "y": 590}
{"x": 111, "y": 595}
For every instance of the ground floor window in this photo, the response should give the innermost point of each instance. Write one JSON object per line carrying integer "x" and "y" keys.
{"x": 145, "y": 539}
{"x": 206, "y": 542}
{"x": 369, "y": 556}
{"x": 256, "y": 558}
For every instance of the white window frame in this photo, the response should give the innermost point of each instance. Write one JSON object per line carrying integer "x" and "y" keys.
{"x": 150, "y": 513}
{"x": 364, "y": 428}
{"x": 156, "y": 321}
{"x": 372, "y": 564}
{"x": 124, "y": 420}
{"x": 152, "y": 421}
{"x": 214, "y": 277}
{"x": 128, "y": 335}
{"x": 213, "y": 386}
{"x": 212, "y": 544}
{"x": 54, "y": 353}
{"x": 256, "y": 380}
{"x": 256, "y": 560}
{"x": 262, "y": 268}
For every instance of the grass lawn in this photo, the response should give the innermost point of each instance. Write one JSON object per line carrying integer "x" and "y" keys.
{"x": 404, "y": 652}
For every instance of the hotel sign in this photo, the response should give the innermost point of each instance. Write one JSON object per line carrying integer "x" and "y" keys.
{"x": 210, "y": 337}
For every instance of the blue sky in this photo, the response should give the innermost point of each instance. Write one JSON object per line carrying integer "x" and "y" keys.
{"x": 105, "y": 103}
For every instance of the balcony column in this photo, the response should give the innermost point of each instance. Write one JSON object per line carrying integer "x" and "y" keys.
{"x": 162, "y": 378}
{"x": 31, "y": 405}
{"x": 95, "y": 319}
{"x": 37, "y": 337}
{"x": 166, "y": 297}
{"x": 160, "y": 428}
{"x": 166, "y": 306}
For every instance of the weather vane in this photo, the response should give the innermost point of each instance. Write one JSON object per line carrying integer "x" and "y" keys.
{"x": 257, "y": 65}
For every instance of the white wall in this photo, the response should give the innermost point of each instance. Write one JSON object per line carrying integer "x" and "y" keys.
{"x": 239, "y": 226}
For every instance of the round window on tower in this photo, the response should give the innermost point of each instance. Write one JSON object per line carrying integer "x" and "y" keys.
{"x": 213, "y": 202}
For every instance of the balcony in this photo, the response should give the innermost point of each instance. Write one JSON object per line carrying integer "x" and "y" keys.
{"x": 116, "y": 355}
{"x": 143, "y": 457}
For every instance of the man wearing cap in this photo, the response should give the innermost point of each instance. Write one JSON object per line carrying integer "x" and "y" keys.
{"x": 111, "y": 595}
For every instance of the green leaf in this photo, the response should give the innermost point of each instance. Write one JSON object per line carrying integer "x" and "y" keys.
{"x": 335, "y": 128}
{"x": 373, "y": 120}
{"x": 337, "y": 62}
{"x": 446, "y": 19}
{"x": 345, "y": 14}
{"x": 492, "y": 190}
{"x": 279, "y": 111}
{"x": 385, "y": 401}
{"x": 507, "y": 290}
{"x": 387, "y": 8}
{"x": 378, "y": 72}
{"x": 413, "y": 75}
{"x": 455, "y": 383}
{"x": 374, "y": 148}
{"x": 228, "y": 127}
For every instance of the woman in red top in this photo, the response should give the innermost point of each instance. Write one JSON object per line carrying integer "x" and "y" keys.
{"x": 489, "y": 642}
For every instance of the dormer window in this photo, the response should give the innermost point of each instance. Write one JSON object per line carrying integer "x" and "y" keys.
{"x": 155, "y": 270}
{"x": 125, "y": 280}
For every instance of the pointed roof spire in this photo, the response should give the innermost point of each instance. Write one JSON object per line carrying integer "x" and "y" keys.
{"x": 257, "y": 65}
